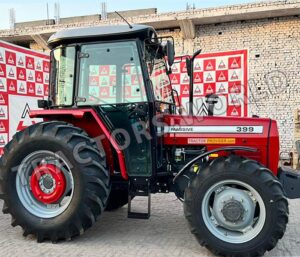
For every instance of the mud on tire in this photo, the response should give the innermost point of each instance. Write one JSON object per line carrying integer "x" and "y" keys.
{"x": 90, "y": 180}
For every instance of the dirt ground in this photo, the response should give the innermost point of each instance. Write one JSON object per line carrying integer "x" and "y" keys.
{"x": 165, "y": 234}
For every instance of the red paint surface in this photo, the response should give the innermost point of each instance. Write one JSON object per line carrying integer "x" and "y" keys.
{"x": 58, "y": 177}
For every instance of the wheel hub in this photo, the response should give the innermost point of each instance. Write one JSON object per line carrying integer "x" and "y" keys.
{"x": 233, "y": 208}
{"x": 233, "y": 211}
{"x": 48, "y": 183}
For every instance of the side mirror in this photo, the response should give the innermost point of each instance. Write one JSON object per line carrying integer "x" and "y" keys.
{"x": 170, "y": 52}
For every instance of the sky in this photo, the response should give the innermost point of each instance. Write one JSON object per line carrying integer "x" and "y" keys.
{"x": 36, "y": 9}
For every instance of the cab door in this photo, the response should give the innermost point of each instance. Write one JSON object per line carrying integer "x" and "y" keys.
{"x": 112, "y": 82}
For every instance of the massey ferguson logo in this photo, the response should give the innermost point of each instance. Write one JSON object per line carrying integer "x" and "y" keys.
{"x": 179, "y": 129}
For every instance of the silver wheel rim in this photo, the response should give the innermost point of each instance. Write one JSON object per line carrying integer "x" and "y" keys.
{"x": 23, "y": 189}
{"x": 229, "y": 231}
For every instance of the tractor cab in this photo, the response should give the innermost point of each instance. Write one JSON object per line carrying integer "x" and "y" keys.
{"x": 122, "y": 73}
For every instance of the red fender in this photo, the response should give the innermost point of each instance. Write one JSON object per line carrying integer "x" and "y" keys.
{"x": 88, "y": 120}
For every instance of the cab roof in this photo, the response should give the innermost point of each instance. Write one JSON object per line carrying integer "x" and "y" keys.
{"x": 101, "y": 33}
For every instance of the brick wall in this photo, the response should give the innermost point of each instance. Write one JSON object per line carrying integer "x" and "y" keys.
{"x": 274, "y": 64}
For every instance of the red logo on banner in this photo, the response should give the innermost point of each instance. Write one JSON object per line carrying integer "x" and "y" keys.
{"x": 198, "y": 77}
{"x": 209, "y": 65}
{"x": 30, "y": 87}
{"x": 39, "y": 77}
{"x": 46, "y": 90}
{"x": 234, "y": 62}
{"x": 10, "y": 58}
{"x": 94, "y": 81}
{"x": 29, "y": 62}
{"x": 234, "y": 111}
{"x": 46, "y": 66}
{"x": 184, "y": 90}
{"x": 104, "y": 91}
{"x": 222, "y": 75}
{"x": 175, "y": 79}
{"x": 183, "y": 68}
{"x": 235, "y": 87}
{"x": 2, "y": 127}
{"x": 2, "y": 70}
{"x": 12, "y": 84}
{"x": 21, "y": 73}
{"x": 104, "y": 70}
{"x": 209, "y": 88}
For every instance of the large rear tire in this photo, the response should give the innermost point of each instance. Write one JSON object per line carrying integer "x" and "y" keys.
{"x": 236, "y": 207}
{"x": 53, "y": 181}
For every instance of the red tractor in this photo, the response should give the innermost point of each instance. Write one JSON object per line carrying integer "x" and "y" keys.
{"x": 112, "y": 131}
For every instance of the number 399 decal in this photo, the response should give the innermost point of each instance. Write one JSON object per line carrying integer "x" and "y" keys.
{"x": 249, "y": 129}
{"x": 245, "y": 129}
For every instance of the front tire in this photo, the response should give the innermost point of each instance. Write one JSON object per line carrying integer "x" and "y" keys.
{"x": 53, "y": 181}
{"x": 236, "y": 207}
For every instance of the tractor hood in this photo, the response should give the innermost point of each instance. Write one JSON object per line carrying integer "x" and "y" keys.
{"x": 216, "y": 132}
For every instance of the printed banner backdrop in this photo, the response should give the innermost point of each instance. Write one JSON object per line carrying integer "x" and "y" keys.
{"x": 224, "y": 74}
{"x": 24, "y": 78}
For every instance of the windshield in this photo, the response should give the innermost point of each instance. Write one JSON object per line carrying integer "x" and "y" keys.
{"x": 110, "y": 73}
{"x": 158, "y": 74}
{"x": 62, "y": 79}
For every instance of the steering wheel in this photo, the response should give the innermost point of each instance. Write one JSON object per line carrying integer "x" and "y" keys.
{"x": 136, "y": 111}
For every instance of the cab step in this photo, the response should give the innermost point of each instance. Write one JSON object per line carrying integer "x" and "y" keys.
{"x": 139, "y": 186}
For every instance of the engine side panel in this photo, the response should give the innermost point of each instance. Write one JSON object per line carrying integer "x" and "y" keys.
{"x": 216, "y": 132}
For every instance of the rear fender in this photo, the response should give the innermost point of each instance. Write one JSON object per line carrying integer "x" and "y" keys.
{"x": 88, "y": 120}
